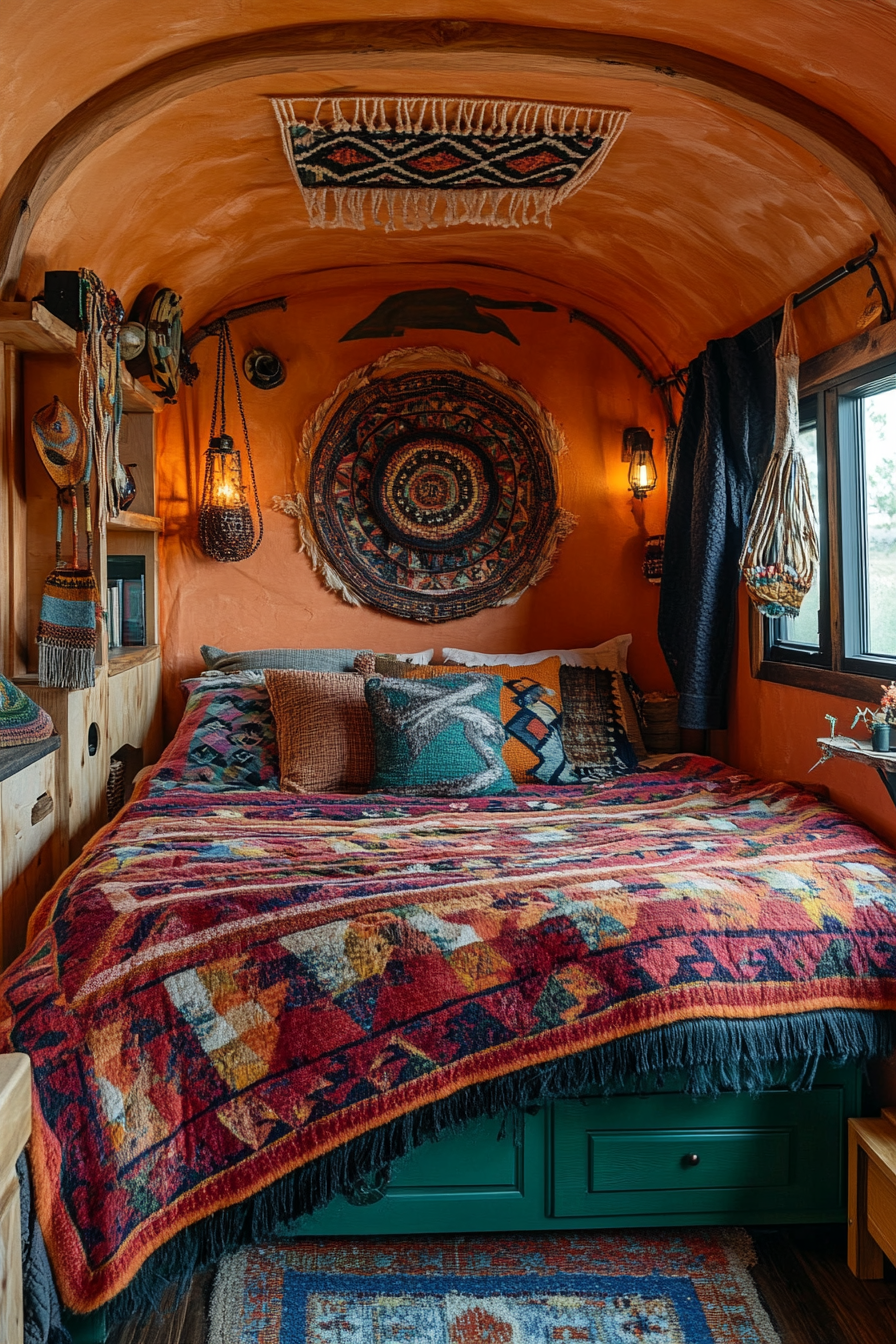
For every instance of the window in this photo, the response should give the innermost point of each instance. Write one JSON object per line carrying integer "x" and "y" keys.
{"x": 844, "y": 639}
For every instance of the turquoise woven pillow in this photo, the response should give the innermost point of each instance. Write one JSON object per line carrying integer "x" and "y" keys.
{"x": 440, "y": 738}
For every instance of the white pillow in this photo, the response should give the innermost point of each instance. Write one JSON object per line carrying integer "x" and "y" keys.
{"x": 416, "y": 659}
{"x": 611, "y": 656}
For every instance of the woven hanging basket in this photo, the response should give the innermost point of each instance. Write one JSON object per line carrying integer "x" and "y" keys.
{"x": 781, "y": 546}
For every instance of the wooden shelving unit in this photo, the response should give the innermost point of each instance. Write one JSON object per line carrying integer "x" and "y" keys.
{"x": 127, "y": 656}
{"x": 31, "y": 327}
{"x": 135, "y": 522}
{"x": 121, "y": 714}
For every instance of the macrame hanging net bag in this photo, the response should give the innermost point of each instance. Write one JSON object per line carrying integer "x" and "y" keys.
{"x": 781, "y": 546}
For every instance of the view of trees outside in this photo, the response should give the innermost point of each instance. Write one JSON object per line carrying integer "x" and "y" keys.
{"x": 880, "y": 494}
{"x": 804, "y": 630}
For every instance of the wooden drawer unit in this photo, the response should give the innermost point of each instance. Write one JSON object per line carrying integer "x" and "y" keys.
{"x": 872, "y": 1195}
{"x": 626, "y": 1156}
{"x": 30, "y": 848}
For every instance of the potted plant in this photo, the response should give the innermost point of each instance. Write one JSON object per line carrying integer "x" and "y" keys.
{"x": 879, "y": 720}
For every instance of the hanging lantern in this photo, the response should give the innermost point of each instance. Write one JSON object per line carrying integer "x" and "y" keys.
{"x": 227, "y": 529}
{"x": 642, "y": 468}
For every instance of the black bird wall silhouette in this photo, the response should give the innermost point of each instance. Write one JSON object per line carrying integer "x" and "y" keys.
{"x": 438, "y": 309}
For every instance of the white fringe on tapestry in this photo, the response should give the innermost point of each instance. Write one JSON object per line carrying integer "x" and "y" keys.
{"x": 296, "y": 505}
{"x": 414, "y": 208}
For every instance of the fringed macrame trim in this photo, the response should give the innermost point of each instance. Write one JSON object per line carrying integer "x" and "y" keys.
{"x": 61, "y": 665}
{"x": 296, "y": 506}
{"x": 409, "y": 357}
{"x": 415, "y": 208}
{"x": 563, "y": 524}
{"x": 713, "y": 1054}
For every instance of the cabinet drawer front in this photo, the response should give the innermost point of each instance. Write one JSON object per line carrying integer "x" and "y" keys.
{"x": 628, "y": 1156}
{"x": 663, "y": 1159}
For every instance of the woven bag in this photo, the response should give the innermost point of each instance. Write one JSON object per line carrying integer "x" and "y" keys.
{"x": 781, "y": 546}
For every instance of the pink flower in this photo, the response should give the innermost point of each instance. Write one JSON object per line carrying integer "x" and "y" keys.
{"x": 888, "y": 701}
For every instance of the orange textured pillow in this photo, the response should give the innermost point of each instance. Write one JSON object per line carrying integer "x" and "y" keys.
{"x": 531, "y": 710}
{"x": 324, "y": 731}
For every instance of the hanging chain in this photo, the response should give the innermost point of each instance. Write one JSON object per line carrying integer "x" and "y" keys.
{"x": 218, "y": 403}
{"x": 225, "y": 331}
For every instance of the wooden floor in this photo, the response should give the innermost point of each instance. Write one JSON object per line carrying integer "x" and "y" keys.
{"x": 802, "y": 1276}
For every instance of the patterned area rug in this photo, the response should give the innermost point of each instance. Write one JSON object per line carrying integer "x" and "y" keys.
{"x": 599, "y": 1288}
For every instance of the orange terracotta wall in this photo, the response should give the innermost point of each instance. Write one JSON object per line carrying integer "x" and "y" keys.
{"x": 773, "y": 728}
{"x": 596, "y": 588}
{"x": 772, "y": 732}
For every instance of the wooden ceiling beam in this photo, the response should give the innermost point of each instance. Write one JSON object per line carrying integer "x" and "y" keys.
{"x": 502, "y": 52}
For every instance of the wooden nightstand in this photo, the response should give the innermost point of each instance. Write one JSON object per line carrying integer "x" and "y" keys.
{"x": 872, "y": 1195}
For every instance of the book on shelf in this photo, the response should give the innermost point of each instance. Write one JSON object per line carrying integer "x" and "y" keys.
{"x": 113, "y": 611}
{"x": 127, "y": 577}
{"x": 133, "y": 612}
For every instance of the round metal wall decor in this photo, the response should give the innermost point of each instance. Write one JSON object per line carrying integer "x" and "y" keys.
{"x": 428, "y": 487}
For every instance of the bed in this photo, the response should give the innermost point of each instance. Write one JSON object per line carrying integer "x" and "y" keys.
{"x": 253, "y": 1013}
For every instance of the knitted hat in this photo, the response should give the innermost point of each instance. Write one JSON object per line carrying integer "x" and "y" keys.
{"x": 21, "y": 720}
{"x": 61, "y": 442}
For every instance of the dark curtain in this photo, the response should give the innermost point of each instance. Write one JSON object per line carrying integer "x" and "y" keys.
{"x": 724, "y": 441}
{"x": 43, "y": 1324}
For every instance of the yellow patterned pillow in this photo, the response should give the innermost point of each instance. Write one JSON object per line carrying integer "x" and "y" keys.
{"x": 532, "y": 713}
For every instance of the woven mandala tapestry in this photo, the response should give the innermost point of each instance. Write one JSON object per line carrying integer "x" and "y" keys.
{"x": 427, "y": 487}
{"x": 417, "y": 163}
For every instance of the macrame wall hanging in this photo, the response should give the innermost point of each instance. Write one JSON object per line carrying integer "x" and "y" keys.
{"x": 427, "y": 487}
{"x": 100, "y": 397}
{"x": 227, "y": 530}
{"x": 781, "y": 546}
{"x": 419, "y": 163}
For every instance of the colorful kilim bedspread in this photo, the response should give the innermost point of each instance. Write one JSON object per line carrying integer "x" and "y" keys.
{"x": 235, "y": 992}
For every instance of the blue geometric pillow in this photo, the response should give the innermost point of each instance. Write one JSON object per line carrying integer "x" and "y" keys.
{"x": 225, "y": 740}
{"x": 440, "y": 738}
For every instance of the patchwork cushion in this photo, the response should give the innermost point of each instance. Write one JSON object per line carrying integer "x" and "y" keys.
{"x": 324, "y": 732}
{"x": 594, "y": 733}
{"x": 225, "y": 740}
{"x": 439, "y": 736}
{"x": 302, "y": 660}
{"x": 612, "y": 655}
{"x": 630, "y": 700}
{"x": 532, "y": 711}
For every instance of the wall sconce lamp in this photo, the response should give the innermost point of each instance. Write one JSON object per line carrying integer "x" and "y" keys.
{"x": 637, "y": 445}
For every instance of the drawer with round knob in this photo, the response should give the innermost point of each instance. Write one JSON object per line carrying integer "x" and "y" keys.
{"x": 639, "y": 1155}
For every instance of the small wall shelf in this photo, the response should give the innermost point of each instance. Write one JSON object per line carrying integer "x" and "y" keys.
{"x": 31, "y": 327}
{"x": 884, "y": 762}
{"x": 134, "y": 522}
{"x": 131, "y": 655}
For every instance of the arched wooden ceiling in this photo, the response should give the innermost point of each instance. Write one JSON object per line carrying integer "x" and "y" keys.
{"x": 755, "y": 159}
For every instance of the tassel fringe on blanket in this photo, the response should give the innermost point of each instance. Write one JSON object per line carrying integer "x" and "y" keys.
{"x": 713, "y": 1054}
{"x": 781, "y": 546}
{"x": 418, "y": 163}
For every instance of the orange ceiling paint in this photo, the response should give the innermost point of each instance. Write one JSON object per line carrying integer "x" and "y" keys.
{"x": 703, "y": 216}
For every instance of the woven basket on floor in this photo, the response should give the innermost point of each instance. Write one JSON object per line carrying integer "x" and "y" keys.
{"x": 660, "y": 723}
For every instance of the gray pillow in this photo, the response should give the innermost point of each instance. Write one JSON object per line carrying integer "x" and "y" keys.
{"x": 297, "y": 660}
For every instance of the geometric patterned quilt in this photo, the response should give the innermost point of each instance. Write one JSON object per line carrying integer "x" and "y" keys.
{"x": 225, "y": 989}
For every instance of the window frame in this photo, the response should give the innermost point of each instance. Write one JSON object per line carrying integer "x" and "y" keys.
{"x": 829, "y": 379}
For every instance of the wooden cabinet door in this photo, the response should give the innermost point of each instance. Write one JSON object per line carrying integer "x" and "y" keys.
{"x": 30, "y": 849}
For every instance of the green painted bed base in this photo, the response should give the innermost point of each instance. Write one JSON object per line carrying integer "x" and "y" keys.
{"x": 621, "y": 1161}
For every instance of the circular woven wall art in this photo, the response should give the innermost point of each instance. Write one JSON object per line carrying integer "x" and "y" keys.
{"x": 427, "y": 487}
